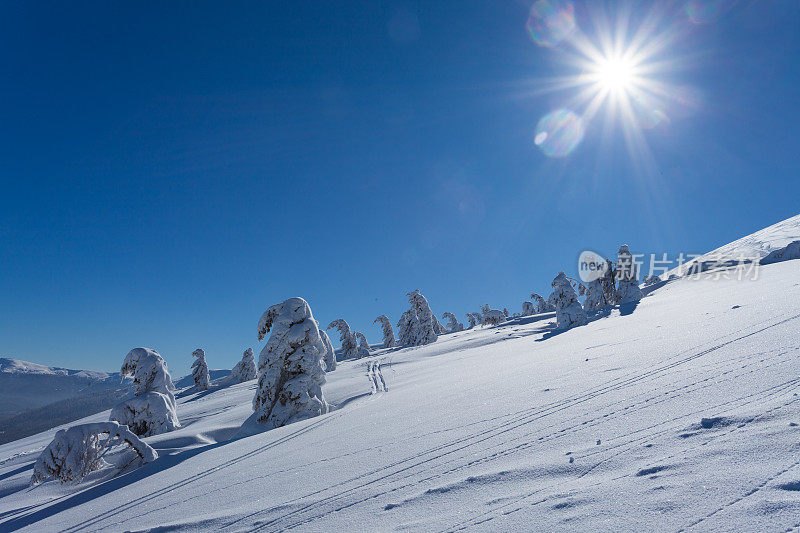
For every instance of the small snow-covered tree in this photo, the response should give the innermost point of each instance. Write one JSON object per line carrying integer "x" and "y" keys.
{"x": 453, "y": 324}
{"x": 388, "y": 332}
{"x": 349, "y": 341}
{"x": 594, "y": 296}
{"x": 426, "y": 325}
{"x": 152, "y": 409}
{"x": 478, "y": 318}
{"x": 628, "y": 290}
{"x": 291, "y": 366}
{"x": 527, "y": 308}
{"x": 79, "y": 450}
{"x": 363, "y": 345}
{"x": 505, "y": 312}
{"x": 245, "y": 370}
{"x": 202, "y": 380}
{"x": 608, "y": 282}
{"x": 492, "y": 316}
{"x": 472, "y": 322}
{"x": 407, "y": 327}
{"x": 330, "y": 355}
{"x": 569, "y": 312}
{"x": 542, "y": 305}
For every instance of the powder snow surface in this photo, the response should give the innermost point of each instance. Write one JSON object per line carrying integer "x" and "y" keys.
{"x": 680, "y": 414}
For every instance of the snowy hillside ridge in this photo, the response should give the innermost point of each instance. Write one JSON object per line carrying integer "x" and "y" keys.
{"x": 16, "y": 366}
{"x": 679, "y": 411}
{"x": 753, "y": 247}
{"x": 688, "y": 407}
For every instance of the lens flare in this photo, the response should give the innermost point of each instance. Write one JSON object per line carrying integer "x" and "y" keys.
{"x": 559, "y": 133}
{"x": 550, "y": 22}
{"x": 707, "y": 11}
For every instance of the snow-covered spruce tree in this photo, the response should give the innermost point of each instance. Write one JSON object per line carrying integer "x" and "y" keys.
{"x": 628, "y": 290}
{"x": 407, "y": 327}
{"x": 453, "y": 324}
{"x": 594, "y": 296}
{"x": 569, "y": 312}
{"x": 426, "y": 329}
{"x": 492, "y": 316}
{"x": 542, "y": 306}
{"x": 527, "y": 308}
{"x": 291, "y": 367}
{"x": 388, "y": 332}
{"x": 152, "y": 409}
{"x": 472, "y": 322}
{"x": 478, "y": 318}
{"x": 245, "y": 370}
{"x": 202, "y": 381}
{"x": 79, "y": 450}
{"x": 363, "y": 345}
{"x": 505, "y": 312}
{"x": 330, "y": 355}
{"x": 608, "y": 282}
{"x": 346, "y": 336}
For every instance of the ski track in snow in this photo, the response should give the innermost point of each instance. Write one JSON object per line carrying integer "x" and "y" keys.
{"x": 477, "y": 438}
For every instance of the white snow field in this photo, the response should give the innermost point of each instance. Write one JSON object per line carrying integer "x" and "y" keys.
{"x": 680, "y": 414}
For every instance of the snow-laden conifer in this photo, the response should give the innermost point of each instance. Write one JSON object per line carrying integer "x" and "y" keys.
{"x": 202, "y": 380}
{"x": 608, "y": 282}
{"x": 79, "y": 450}
{"x": 245, "y": 370}
{"x": 628, "y": 290}
{"x": 407, "y": 328}
{"x": 152, "y": 409}
{"x": 594, "y": 296}
{"x": 363, "y": 345}
{"x": 542, "y": 305}
{"x": 347, "y": 337}
{"x": 291, "y": 367}
{"x": 528, "y": 309}
{"x": 330, "y": 355}
{"x": 386, "y": 329}
{"x": 492, "y": 316}
{"x": 569, "y": 312}
{"x": 453, "y": 324}
{"x": 472, "y": 322}
{"x": 426, "y": 325}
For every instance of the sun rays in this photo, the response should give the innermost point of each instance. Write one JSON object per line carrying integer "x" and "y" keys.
{"x": 618, "y": 66}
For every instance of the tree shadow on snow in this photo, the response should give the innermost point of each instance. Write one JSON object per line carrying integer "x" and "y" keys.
{"x": 11, "y": 473}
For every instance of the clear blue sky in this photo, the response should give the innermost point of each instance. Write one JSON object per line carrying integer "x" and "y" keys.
{"x": 171, "y": 169}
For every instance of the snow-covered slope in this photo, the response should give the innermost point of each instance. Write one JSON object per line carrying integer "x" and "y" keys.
{"x": 679, "y": 414}
{"x": 753, "y": 247}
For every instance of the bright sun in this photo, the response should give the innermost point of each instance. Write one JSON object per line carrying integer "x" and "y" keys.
{"x": 615, "y": 74}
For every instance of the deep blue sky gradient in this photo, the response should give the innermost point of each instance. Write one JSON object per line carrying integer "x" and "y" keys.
{"x": 171, "y": 169}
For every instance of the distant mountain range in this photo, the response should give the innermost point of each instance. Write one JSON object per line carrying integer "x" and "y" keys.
{"x": 36, "y": 397}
